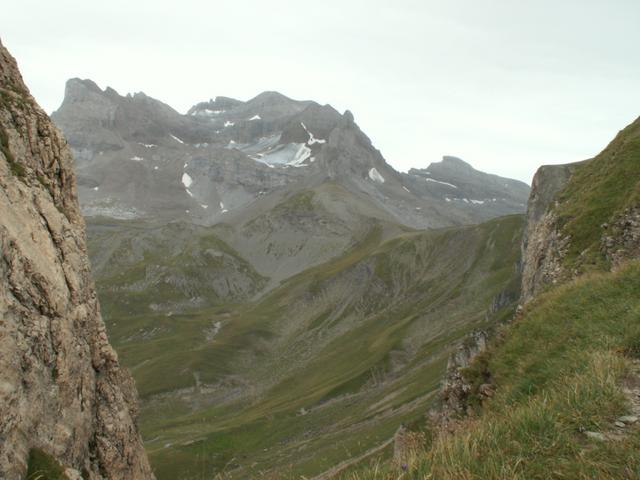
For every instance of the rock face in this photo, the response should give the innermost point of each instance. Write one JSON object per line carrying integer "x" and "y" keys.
{"x": 543, "y": 244}
{"x": 62, "y": 390}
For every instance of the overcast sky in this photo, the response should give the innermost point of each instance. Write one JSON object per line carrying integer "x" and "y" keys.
{"x": 506, "y": 85}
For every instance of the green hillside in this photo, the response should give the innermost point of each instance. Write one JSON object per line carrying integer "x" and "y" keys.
{"x": 564, "y": 374}
{"x": 324, "y": 367}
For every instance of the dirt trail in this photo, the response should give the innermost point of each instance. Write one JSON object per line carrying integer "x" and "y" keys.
{"x": 332, "y": 472}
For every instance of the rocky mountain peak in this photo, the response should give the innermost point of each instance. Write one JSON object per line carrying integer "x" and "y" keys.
{"x": 76, "y": 86}
{"x": 348, "y": 116}
{"x": 270, "y": 98}
{"x": 455, "y": 162}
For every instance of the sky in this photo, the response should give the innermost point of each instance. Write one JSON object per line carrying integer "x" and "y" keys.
{"x": 506, "y": 85}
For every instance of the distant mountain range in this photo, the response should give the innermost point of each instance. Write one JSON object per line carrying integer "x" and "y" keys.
{"x": 225, "y": 159}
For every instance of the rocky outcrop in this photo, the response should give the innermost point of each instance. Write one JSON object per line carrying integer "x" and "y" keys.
{"x": 621, "y": 240}
{"x": 62, "y": 391}
{"x": 543, "y": 244}
{"x": 456, "y": 389}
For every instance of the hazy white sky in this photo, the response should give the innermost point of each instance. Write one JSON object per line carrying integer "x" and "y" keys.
{"x": 506, "y": 85}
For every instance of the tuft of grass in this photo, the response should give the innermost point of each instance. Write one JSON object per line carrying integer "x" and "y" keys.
{"x": 16, "y": 168}
{"x": 42, "y": 466}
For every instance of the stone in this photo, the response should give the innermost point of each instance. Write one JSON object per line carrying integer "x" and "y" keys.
{"x": 486, "y": 390}
{"x": 628, "y": 419}
{"x": 596, "y": 436}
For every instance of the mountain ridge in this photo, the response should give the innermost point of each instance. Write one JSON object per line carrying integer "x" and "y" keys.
{"x": 296, "y": 141}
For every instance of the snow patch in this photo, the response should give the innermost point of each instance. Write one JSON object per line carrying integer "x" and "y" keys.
{"x": 176, "y": 139}
{"x": 375, "y": 176}
{"x": 208, "y": 111}
{"x": 155, "y": 167}
{"x": 186, "y": 180}
{"x": 477, "y": 202}
{"x": 301, "y": 155}
{"x": 137, "y": 159}
{"x": 255, "y": 117}
{"x": 95, "y": 189}
{"x": 312, "y": 139}
{"x": 406, "y": 189}
{"x": 229, "y": 124}
{"x": 441, "y": 183}
{"x": 204, "y": 206}
{"x": 147, "y": 145}
{"x": 223, "y": 210}
{"x": 189, "y": 192}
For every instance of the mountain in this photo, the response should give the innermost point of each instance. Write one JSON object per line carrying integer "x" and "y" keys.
{"x": 68, "y": 409}
{"x": 289, "y": 184}
{"x": 555, "y": 394}
{"x": 459, "y": 183}
{"x": 138, "y": 158}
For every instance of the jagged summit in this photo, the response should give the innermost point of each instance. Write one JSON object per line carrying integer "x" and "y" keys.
{"x": 214, "y": 106}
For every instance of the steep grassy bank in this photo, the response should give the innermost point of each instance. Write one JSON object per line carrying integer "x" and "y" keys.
{"x": 598, "y": 191}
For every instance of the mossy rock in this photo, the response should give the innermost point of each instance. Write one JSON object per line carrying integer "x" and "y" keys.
{"x": 43, "y": 466}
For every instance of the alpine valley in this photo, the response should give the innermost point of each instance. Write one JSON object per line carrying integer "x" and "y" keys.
{"x": 284, "y": 299}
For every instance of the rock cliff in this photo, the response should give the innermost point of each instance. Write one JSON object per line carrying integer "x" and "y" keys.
{"x": 543, "y": 244}
{"x": 62, "y": 391}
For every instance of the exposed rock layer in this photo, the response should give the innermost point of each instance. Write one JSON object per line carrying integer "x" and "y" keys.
{"x": 61, "y": 390}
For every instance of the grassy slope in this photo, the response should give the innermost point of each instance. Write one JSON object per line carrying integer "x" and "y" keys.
{"x": 599, "y": 189}
{"x": 558, "y": 372}
{"x": 359, "y": 343}
{"x": 144, "y": 268}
